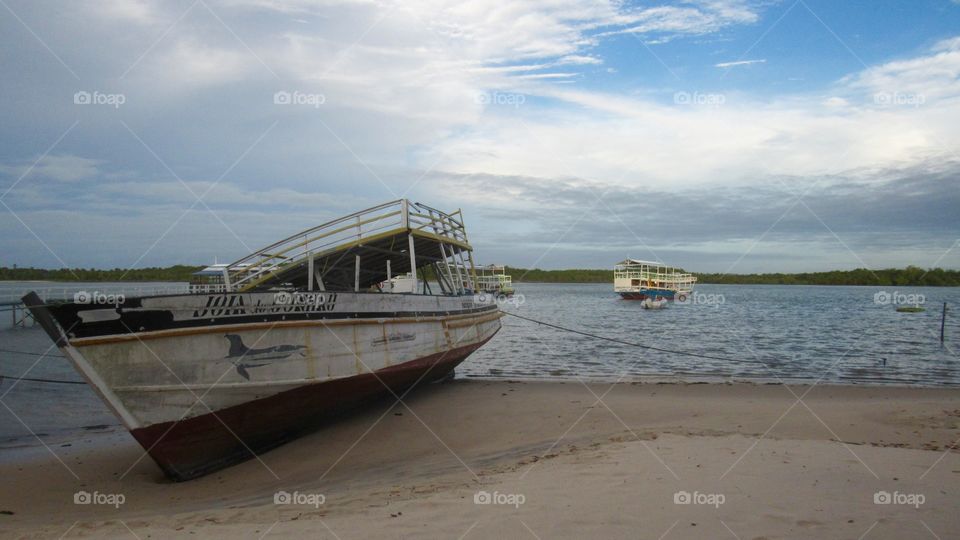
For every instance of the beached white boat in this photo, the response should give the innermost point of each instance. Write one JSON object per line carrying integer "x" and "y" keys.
{"x": 280, "y": 340}
{"x": 639, "y": 280}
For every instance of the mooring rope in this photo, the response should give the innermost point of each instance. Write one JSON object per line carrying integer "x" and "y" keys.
{"x": 632, "y": 344}
{"x": 28, "y": 379}
{"x": 30, "y": 353}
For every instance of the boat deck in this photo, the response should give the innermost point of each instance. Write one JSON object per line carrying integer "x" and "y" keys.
{"x": 358, "y": 251}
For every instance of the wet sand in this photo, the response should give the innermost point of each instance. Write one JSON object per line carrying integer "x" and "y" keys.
{"x": 552, "y": 459}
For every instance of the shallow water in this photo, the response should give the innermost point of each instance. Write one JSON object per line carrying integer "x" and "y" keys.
{"x": 837, "y": 335}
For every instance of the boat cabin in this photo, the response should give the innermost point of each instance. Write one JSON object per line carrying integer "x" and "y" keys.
{"x": 361, "y": 252}
{"x": 494, "y": 279}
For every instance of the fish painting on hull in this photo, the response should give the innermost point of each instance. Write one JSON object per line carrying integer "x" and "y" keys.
{"x": 240, "y": 352}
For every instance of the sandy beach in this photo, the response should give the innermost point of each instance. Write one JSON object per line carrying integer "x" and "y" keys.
{"x": 502, "y": 459}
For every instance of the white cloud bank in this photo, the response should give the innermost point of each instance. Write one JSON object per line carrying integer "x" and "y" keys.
{"x": 893, "y": 114}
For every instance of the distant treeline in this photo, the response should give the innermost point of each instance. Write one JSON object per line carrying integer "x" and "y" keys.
{"x": 560, "y": 276}
{"x": 902, "y": 277}
{"x": 170, "y": 273}
{"x": 897, "y": 277}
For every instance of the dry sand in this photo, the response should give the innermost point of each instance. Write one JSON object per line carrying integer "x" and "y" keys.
{"x": 563, "y": 463}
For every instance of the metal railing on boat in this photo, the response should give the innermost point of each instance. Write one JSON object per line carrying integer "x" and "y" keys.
{"x": 361, "y": 228}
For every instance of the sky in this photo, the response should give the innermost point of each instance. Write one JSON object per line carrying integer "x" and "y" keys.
{"x": 732, "y": 136}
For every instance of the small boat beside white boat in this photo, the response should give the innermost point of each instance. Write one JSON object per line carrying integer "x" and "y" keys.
{"x": 265, "y": 348}
{"x": 641, "y": 280}
{"x": 654, "y": 303}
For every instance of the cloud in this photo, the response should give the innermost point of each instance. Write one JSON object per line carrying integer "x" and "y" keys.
{"x": 558, "y": 75}
{"x": 740, "y": 63}
{"x": 404, "y": 86}
{"x": 137, "y": 11}
{"x": 693, "y": 19}
{"x": 578, "y": 59}
{"x": 881, "y": 215}
{"x": 62, "y": 168}
{"x": 899, "y": 214}
{"x": 714, "y": 137}
{"x": 489, "y": 30}
{"x": 193, "y": 63}
{"x": 933, "y": 76}
{"x": 867, "y": 204}
{"x": 112, "y": 222}
{"x": 644, "y": 143}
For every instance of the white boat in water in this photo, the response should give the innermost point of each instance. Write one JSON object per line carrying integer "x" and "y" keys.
{"x": 270, "y": 345}
{"x": 641, "y": 280}
{"x": 493, "y": 279}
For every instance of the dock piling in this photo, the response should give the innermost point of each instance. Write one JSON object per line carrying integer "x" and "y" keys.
{"x": 943, "y": 320}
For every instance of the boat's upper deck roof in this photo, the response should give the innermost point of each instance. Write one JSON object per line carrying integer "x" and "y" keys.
{"x": 215, "y": 269}
{"x": 375, "y": 235}
{"x": 492, "y": 268}
{"x": 633, "y": 262}
{"x": 212, "y": 270}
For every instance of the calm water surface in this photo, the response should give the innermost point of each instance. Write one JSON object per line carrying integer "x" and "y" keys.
{"x": 838, "y": 335}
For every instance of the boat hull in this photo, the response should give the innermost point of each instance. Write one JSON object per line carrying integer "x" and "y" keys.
{"x": 498, "y": 293}
{"x": 210, "y": 380}
{"x": 643, "y": 294}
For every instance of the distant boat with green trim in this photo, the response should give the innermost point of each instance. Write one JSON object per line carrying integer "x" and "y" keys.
{"x": 639, "y": 280}
{"x": 493, "y": 279}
